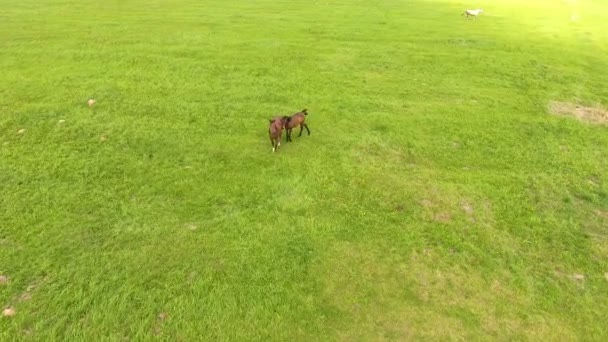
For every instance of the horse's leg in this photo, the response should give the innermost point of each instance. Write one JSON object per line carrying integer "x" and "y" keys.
{"x": 301, "y": 128}
{"x": 307, "y": 130}
{"x": 289, "y": 135}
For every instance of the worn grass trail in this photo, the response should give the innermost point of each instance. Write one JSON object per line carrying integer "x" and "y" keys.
{"x": 435, "y": 198}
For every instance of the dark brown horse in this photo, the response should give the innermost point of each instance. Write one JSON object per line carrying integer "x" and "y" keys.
{"x": 275, "y": 131}
{"x": 297, "y": 119}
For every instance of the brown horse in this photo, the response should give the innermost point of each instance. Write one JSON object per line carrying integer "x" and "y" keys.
{"x": 275, "y": 131}
{"x": 298, "y": 119}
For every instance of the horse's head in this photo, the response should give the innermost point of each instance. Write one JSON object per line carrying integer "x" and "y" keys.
{"x": 276, "y": 123}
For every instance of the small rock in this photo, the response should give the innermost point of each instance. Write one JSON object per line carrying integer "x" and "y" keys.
{"x": 61, "y": 122}
{"x": 91, "y": 102}
{"x": 8, "y": 312}
{"x": 3, "y": 279}
{"x": 21, "y": 131}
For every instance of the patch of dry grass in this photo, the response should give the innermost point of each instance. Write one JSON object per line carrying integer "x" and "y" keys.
{"x": 596, "y": 114}
{"x": 388, "y": 297}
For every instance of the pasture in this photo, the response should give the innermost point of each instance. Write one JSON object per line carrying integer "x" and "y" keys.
{"x": 437, "y": 196}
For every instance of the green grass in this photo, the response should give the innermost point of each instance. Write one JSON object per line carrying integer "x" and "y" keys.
{"x": 436, "y": 197}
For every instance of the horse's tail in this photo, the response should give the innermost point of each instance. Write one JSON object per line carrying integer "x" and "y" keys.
{"x": 304, "y": 111}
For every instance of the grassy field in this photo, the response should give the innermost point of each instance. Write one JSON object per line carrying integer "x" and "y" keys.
{"x": 437, "y": 197}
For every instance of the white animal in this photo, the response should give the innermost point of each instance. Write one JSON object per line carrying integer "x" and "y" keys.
{"x": 473, "y": 12}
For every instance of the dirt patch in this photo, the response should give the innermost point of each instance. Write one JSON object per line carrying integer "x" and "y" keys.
{"x": 601, "y": 213}
{"x": 24, "y": 297}
{"x": 468, "y": 208}
{"x": 3, "y": 279}
{"x": 443, "y": 217}
{"x": 158, "y": 324}
{"x": 596, "y": 114}
{"x": 426, "y": 203}
{"x": 577, "y": 277}
{"x": 8, "y": 312}
{"x": 436, "y": 211}
{"x": 191, "y": 226}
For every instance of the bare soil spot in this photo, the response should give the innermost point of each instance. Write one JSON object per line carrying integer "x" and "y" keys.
{"x": 8, "y": 312}
{"x": 426, "y": 203}
{"x": 443, "y": 217}
{"x": 24, "y": 297}
{"x": 467, "y": 207}
{"x": 579, "y": 279}
{"x": 496, "y": 286}
{"x": 601, "y": 213}
{"x": 191, "y": 226}
{"x": 158, "y": 324}
{"x": 3, "y": 279}
{"x": 597, "y": 114}
{"x": 103, "y": 138}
